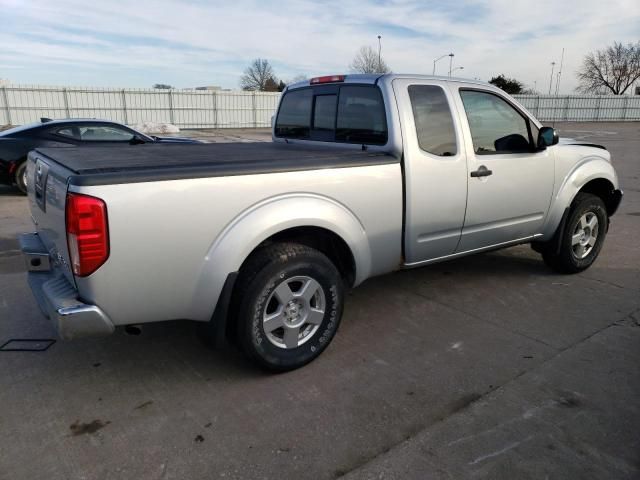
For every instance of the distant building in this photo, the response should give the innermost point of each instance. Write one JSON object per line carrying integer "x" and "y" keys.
{"x": 212, "y": 88}
{"x": 207, "y": 88}
{"x": 4, "y": 82}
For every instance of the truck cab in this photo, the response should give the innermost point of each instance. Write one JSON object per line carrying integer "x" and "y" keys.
{"x": 478, "y": 175}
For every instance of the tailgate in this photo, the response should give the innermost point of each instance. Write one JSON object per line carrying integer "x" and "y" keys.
{"x": 47, "y": 190}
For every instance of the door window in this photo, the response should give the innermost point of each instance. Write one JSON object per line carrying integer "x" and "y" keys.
{"x": 434, "y": 123}
{"x": 496, "y": 126}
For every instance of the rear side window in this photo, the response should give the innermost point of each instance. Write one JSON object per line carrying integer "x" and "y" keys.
{"x": 103, "y": 133}
{"x": 345, "y": 114}
{"x": 361, "y": 116}
{"x": 294, "y": 116}
{"x": 71, "y": 132}
{"x": 434, "y": 123}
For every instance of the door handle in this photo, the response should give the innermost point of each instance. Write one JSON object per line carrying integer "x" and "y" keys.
{"x": 482, "y": 171}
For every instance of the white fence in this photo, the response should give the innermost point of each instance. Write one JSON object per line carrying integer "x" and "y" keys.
{"x": 582, "y": 108}
{"x": 221, "y": 109}
{"x": 186, "y": 109}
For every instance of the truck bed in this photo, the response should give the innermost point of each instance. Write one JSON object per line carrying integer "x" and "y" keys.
{"x": 145, "y": 163}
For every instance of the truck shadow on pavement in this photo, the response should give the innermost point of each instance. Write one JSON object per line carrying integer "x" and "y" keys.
{"x": 162, "y": 346}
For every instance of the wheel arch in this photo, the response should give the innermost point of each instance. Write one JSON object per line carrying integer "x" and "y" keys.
{"x": 591, "y": 175}
{"x": 603, "y": 188}
{"x": 322, "y": 239}
{"x": 317, "y": 221}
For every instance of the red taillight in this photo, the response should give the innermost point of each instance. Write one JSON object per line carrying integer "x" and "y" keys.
{"x": 328, "y": 79}
{"x": 87, "y": 233}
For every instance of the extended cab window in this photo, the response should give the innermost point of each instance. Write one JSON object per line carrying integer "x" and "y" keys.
{"x": 496, "y": 126}
{"x": 361, "y": 116}
{"x": 294, "y": 116}
{"x": 434, "y": 123}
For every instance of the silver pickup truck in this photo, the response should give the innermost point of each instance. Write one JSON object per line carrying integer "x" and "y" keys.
{"x": 366, "y": 174}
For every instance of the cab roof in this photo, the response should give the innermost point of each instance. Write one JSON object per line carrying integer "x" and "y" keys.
{"x": 373, "y": 78}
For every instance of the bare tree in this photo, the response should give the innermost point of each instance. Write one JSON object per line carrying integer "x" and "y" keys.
{"x": 367, "y": 60}
{"x": 613, "y": 69}
{"x": 259, "y": 76}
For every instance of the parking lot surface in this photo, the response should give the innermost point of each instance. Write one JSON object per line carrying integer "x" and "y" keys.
{"x": 489, "y": 366}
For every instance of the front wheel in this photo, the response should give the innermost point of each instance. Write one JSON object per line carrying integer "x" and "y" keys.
{"x": 288, "y": 301}
{"x": 583, "y": 235}
{"x": 21, "y": 177}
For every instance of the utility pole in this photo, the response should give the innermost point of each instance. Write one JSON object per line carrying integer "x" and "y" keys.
{"x": 553, "y": 65}
{"x": 450, "y": 62}
{"x": 559, "y": 73}
{"x": 379, "y": 54}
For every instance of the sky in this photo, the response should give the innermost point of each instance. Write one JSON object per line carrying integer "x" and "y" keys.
{"x": 197, "y": 42}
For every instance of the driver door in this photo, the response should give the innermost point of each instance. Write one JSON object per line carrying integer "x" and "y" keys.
{"x": 509, "y": 183}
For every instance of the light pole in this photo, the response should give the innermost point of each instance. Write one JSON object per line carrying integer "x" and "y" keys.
{"x": 457, "y": 68}
{"x": 553, "y": 65}
{"x": 450, "y": 62}
{"x": 379, "y": 53}
{"x": 440, "y": 58}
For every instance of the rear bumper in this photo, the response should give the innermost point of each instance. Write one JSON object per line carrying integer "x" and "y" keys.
{"x": 57, "y": 298}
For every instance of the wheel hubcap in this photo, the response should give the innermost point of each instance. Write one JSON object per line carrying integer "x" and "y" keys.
{"x": 585, "y": 235}
{"x": 294, "y": 312}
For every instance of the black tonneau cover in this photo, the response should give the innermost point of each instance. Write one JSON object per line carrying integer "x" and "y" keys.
{"x": 144, "y": 163}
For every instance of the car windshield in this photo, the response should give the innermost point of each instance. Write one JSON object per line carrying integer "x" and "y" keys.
{"x": 21, "y": 128}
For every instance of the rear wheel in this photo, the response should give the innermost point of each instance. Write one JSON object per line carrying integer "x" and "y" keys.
{"x": 583, "y": 235}
{"x": 21, "y": 177}
{"x": 288, "y": 303}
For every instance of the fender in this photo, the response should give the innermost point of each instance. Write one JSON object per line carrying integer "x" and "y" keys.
{"x": 264, "y": 219}
{"x": 587, "y": 169}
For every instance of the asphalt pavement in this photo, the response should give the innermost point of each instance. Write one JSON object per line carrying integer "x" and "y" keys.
{"x": 489, "y": 367}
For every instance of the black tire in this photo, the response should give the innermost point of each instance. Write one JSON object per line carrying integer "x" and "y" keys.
{"x": 255, "y": 296}
{"x": 566, "y": 259}
{"x": 20, "y": 177}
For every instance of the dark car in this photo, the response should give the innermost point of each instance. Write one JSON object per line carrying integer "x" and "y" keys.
{"x": 16, "y": 143}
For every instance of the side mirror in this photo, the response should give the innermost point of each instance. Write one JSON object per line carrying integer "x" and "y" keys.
{"x": 136, "y": 140}
{"x": 547, "y": 137}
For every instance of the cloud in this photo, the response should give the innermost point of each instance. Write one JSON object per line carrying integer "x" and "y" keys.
{"x": 198, "y": 42}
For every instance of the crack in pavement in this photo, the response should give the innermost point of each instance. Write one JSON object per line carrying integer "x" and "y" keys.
{"x": 606, "y": 282}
